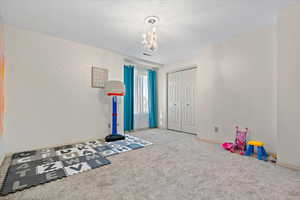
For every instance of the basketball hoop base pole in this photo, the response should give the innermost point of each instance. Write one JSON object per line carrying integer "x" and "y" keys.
{"x": 111, "y": 138}
{"x": 114, "y": 135}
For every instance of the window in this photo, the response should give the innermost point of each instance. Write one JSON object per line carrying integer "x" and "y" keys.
{"x": 141, "y": 108}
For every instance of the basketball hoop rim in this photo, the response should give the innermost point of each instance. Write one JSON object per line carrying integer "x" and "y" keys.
{"x": 116, "y": 94}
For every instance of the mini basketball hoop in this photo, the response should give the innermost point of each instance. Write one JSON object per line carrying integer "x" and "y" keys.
{"x": 114, "y": 89}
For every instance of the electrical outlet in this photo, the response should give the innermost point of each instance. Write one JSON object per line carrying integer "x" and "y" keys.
{"x": 216, "y": 129}
{"x": 109, "y": 126}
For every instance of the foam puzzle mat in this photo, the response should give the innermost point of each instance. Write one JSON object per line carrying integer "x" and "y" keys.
{"x": 31, "y": 168}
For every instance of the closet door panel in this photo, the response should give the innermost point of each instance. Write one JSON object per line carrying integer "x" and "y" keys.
{"x": 174, "y": 101}
{"x": 188, "y": 101}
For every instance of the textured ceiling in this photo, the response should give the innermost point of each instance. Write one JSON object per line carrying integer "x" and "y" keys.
{"x": 185, "y": 25}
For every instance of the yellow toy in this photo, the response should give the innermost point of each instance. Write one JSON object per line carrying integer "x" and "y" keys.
{"x": 261, "y": 153}
{"x": 256, "y": 143}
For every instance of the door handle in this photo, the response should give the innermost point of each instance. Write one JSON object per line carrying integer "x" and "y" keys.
{"x": 187, "y": 104}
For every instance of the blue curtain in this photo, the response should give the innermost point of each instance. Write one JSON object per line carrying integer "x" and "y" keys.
{"x": 128, "y": 99}
{"x": 152, "y": 86}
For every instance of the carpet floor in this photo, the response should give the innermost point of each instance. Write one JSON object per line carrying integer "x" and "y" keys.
{"x": 176, "y": 166}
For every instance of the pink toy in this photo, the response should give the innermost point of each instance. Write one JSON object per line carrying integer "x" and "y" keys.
{"x": 228, "y": 146}
{"x": 239, "y": 144}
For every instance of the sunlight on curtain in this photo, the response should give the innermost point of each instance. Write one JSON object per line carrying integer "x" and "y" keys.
{"x": 128, "y": 98}
{"x": 152, "y": 81}
{"x": 141, "y": 107}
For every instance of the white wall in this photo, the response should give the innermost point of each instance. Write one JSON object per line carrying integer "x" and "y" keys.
{"x": 289, "y": 85}
{"x": 2, "y": 147}
{"x": 49, "y": 99}
{"x": 236, "y": 86}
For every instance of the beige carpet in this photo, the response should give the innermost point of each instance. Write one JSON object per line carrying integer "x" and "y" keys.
{"x": 177, "y": 166}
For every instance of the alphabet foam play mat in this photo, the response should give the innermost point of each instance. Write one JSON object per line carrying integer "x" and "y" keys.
{"x": 36, "y": 167}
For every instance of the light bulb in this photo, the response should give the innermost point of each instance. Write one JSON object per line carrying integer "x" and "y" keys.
{"x": 154, "y": 29}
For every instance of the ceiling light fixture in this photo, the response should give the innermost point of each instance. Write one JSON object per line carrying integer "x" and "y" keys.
{"x": 150, "y": 36}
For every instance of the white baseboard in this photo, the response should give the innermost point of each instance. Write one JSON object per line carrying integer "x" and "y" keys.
{"x": 2, "y": 159}
{"x": 55, "y": 145}
{"x": 209, "y": 141}
{"x": 286, "y": 165}
{"x": 290, "y": 166}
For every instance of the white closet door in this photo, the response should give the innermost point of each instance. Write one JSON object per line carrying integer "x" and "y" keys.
{"x": 188, "y": 101}
{"x": 174, "y": 103}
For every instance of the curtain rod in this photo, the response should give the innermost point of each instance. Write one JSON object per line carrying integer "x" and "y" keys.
{"x": 141, "y": 66}
{"x": 145, "y": 63}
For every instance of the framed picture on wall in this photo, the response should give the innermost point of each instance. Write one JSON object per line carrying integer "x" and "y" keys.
{"x": 99, "y": 77}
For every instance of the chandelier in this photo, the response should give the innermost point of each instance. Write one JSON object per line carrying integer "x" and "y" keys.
{"x": 150, "y": 36}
